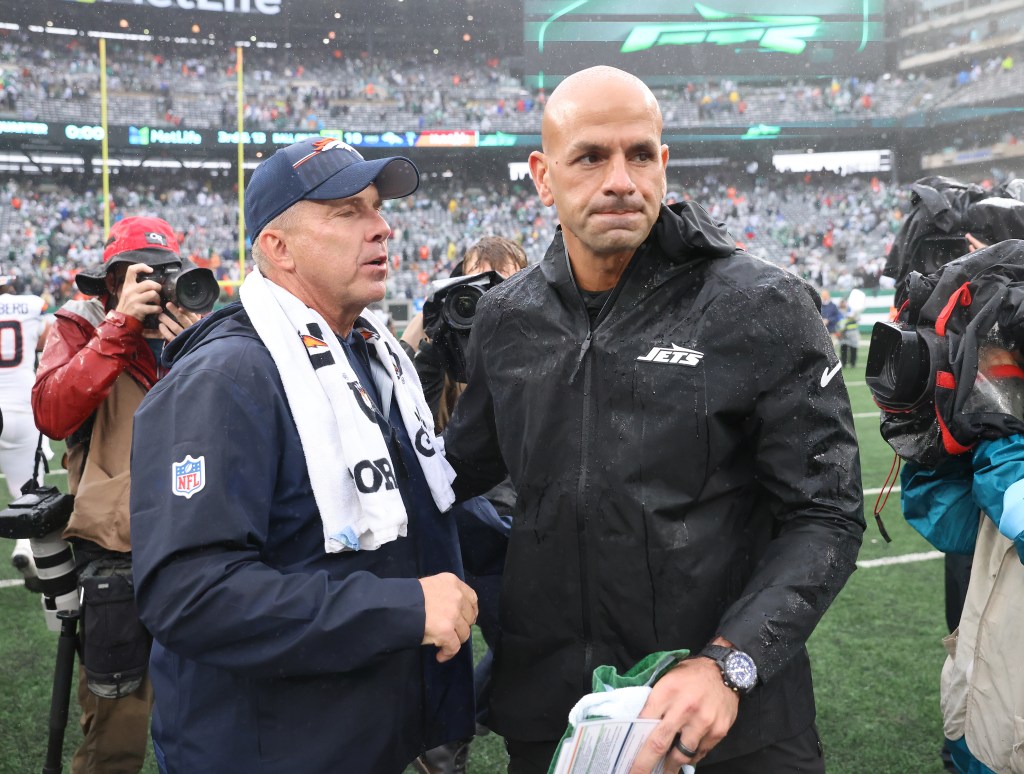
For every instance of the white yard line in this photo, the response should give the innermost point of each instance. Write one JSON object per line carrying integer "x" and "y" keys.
{"x": 867, "y": 564}
{"x": 53, "y": 472}
{"x": 856, "y": 384}
{"x": 866, "y": 414}
{"x": 879, "y": 491}
{"x": 901, "y": 559}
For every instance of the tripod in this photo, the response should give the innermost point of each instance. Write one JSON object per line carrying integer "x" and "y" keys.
{"x": 60, "y": 695}
{"x": 40, "y": 515}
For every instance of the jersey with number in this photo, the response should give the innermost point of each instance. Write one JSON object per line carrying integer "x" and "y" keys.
{"x": 21, "y": 323}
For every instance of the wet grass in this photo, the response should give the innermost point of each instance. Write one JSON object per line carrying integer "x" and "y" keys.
{"x": 876, "y": 654}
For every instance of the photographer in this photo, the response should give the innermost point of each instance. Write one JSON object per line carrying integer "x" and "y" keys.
{"x": 483, "y": 522}
{"x": 101, "y": 358}
{"x": 491, "y": 253}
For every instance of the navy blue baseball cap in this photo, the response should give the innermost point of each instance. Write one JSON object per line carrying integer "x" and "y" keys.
{"x": 321, "y": 168}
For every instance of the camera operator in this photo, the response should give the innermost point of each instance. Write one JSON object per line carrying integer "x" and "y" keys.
{"x": 483, "y": 522}
{"x": 491, "y": 253}
{"x": 101, "y": 358}
{"x": 947, "y": 218}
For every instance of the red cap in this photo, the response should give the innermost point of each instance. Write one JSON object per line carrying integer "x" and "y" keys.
{"x": 140, "y": 233}
{"x": 132, "y": 240}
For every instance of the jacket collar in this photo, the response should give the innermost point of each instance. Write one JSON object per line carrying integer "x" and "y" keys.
{"x": 684, "y": 233}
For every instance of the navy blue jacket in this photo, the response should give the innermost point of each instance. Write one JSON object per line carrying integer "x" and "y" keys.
{"x": 271, "y": 655}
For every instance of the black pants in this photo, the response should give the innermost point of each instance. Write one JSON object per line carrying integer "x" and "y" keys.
{"x": 848, "y": 354}
{"x": 800, "y": 754}
{"x": 958, "y": 576}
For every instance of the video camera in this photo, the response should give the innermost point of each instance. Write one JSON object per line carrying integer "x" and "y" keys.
{"x": 901, "y": 365}
{"x": 449, "y": 313}
{"x": 40, "y": 515}
{"x": 191, "y": 287}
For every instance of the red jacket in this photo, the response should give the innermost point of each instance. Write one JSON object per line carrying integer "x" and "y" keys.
{"x": 84, "y": 354}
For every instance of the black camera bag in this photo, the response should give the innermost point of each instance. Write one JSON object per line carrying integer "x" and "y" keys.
{"x": 115, "y": 644}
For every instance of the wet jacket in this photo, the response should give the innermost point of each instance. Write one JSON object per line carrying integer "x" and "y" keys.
{"x": 686, "y": 468}
{"x": 271, "y": 655}
{"x": 93, "y": 373}
{"x": 982, "y": 689}
{"x": 85, "y": 353}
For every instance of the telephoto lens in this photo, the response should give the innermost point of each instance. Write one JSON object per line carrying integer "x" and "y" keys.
{"x": 57, "y": 579}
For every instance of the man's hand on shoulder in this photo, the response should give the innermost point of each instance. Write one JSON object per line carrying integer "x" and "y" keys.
{"x": 451, "y": 609}
{"x": 138, "y": 296}
{"x": 696, "y": 709}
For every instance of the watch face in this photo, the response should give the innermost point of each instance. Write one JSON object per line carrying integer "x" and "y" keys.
{"x": 741, "y": 670}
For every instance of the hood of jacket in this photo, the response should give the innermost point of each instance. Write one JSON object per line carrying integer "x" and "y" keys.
{"x": 231, "y": 320}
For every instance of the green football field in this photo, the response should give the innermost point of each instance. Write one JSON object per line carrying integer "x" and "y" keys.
{"x": 876, "y": 654}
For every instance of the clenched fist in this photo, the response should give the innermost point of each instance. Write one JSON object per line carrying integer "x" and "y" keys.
{"x": 450, "y": 612}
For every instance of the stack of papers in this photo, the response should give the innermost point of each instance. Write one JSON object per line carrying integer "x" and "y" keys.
{"x": 606, "y": 746}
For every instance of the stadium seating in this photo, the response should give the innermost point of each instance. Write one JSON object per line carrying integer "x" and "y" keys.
{"x": 303, "y": 90}
{"x": 833, "y": 231}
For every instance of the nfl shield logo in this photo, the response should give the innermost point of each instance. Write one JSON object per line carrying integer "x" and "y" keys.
{"x": 188, "y": 476}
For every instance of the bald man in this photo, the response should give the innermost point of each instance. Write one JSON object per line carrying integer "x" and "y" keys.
{"x": 672, "y": 414}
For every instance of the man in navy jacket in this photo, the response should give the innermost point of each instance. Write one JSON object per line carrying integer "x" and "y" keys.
{"x": 270, "y": 654}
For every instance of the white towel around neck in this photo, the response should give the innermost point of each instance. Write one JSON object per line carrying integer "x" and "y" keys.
{"x": 359, "y": 502}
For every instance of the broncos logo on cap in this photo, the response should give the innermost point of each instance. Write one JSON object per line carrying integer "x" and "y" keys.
{"x": 324, "y": 144}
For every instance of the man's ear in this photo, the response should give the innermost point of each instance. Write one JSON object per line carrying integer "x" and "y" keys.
{"x": 274, "y": 245}
{"x": 539, "y": 173}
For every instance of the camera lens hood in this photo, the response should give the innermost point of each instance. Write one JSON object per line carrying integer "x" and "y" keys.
{"x": 900, "y": 371}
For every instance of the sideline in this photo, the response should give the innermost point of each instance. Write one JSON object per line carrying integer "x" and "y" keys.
{"x": 53, "y": 472}
{"x": 867, "y": 564}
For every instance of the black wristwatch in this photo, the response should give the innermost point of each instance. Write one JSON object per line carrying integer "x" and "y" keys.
{"x": 739, "y": 671}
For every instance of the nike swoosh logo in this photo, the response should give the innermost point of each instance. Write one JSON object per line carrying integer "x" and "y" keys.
{"x": 829, "y": 373}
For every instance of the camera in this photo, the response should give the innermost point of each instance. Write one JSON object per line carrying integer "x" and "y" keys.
{"x": 901, "y": 366}
{"x": 449, "y": 313}
{"x": 932, "y": 252}
{"x": 40, "y": 515}
{"x": 191, "y": 287}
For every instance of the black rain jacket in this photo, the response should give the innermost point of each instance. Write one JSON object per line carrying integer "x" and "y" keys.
{"x": 686, "y": 468}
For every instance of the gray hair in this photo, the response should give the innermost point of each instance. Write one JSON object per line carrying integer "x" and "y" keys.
{"x": 281, "y": 221}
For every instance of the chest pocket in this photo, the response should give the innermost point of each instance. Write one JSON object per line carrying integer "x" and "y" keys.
{"x": 671, "y": 406}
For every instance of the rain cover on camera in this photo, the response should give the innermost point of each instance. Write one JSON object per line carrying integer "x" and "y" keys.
{"x": 944, "y": 209}
{"x": 974, "y": 306}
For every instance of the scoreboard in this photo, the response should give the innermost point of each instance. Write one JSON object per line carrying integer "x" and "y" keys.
{"x": 664, "y": 41}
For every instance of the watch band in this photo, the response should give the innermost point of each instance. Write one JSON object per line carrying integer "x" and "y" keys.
{"x": 720, "y": 655}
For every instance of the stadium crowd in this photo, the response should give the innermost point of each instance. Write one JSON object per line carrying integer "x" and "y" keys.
{"x": 833, "y": 231}
{"x": 292, "y": 89}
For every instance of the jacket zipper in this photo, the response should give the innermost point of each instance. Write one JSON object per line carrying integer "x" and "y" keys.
{"x": 581, "y": 487}
{"x": 581, "y": 512}
{"x": 581, "y": 518}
